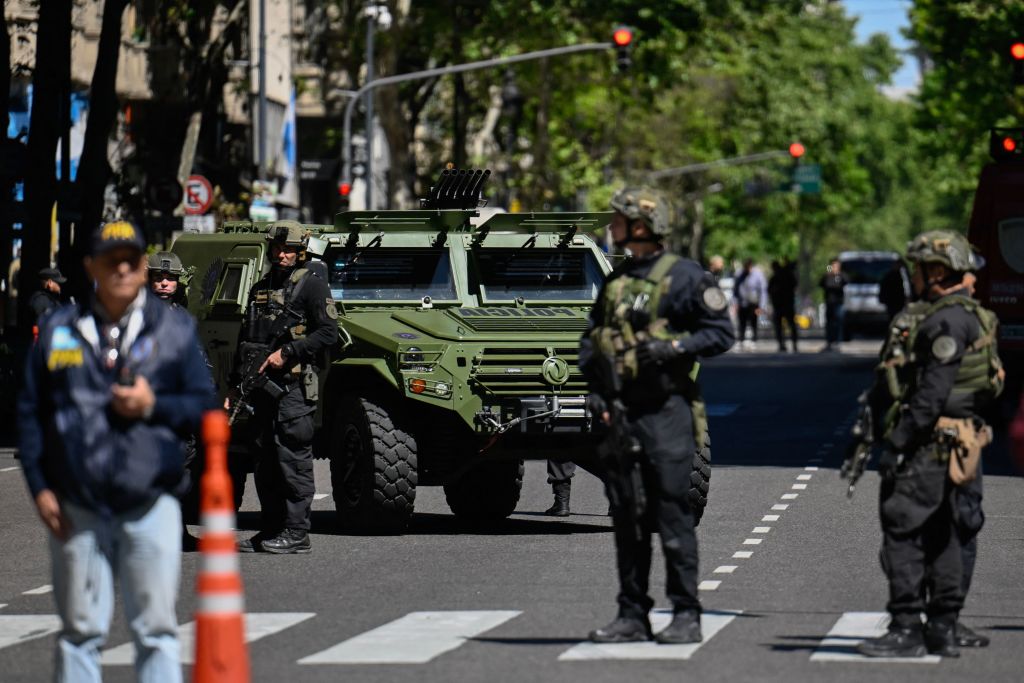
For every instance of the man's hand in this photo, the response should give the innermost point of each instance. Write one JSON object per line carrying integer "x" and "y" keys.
{"x": 49, "y": 511}
{"x": 134, "y": 402}
{"x": 598, "y": 408}
{"x": 655, "y": 352}
{"x": 274, "y": 360}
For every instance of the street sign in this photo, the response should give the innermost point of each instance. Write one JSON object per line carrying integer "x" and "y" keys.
{"x": 807, "y": 179}
{"x": 198, "y": 195}
{"x": 205, "y": 223}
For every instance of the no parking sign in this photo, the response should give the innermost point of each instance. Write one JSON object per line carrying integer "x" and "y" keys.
{"x": 198, "y": 195}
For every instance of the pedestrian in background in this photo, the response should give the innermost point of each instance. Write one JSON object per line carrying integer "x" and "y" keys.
{"x": 642, "y": 383}
{"x": 832, "y": 283}
{"x": 716, "y": 266}
{"x": 751, "y": 295}
{"x": 47, "y": 297}
{"x": 110, "y": 386}
{"x": 782, "y": 293}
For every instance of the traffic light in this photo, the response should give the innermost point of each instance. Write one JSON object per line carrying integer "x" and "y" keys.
{"x": 796, "y": 150}
{"x": 1006, "y": 144}
{"x": 344, "y": 190}
{"x": 1017, "y": 52}
{"x": 622, "y": 37}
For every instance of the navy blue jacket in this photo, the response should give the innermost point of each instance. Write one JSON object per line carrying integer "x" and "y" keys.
{"x": 70, "y": 441}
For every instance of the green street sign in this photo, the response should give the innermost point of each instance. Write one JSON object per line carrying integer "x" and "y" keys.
{"x": 807, "y": 179}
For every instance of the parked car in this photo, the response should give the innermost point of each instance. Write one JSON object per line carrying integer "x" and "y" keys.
{"x": 864, "y": 312}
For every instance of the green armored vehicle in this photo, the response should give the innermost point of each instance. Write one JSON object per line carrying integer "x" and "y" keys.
{"x": 459, "y": 343}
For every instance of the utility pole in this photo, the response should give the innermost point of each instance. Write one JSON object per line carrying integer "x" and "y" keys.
{"x": 261, "y": 153}
{"x": 371, "y": 20}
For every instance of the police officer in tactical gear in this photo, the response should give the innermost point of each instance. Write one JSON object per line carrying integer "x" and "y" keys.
{"x": 47, "y": 297}
{"x": 655, "y": 314}
{"x": 292, "y": 323}
{"x": 939, "y": 372}
{"x": 164, "y": 269}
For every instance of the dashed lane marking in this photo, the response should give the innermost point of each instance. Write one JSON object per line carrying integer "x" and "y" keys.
{"x": 811, "y": 469}
{"x": 799, "y": 487}
{"x": 770, "y": 518}
{"x": 725, "y": 569}
{"x": 21, "y": 628}
{"x": 415, "y": 638}
{"x": 780, "y": 506}
{"x": 42, "y": 590}
{"x": 3, "y": 604}
{"x": 804, "y": 477}
{"x": 761, "y": 529}
{"x": 840, "y": 644}
{"x": 708, "y": 585}
{"x": 790, "y": 496}
{"x": 320, "y": 496}
{"x": 752, "y": 541}
{"x": 743, "y": 554}
{"x": 721, "y": 409}
{"x": 9, "y": 469}
{"x": 257, "y": 625}
{"x": 711, "y": 623}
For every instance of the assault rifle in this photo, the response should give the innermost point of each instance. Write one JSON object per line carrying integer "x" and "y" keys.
{"x": 620, "y": 450}
{"x": 858, "y": 452}
{"x": 252, "y": 356}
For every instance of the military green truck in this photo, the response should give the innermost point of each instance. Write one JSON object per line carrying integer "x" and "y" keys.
{"x": 458, "y": 351}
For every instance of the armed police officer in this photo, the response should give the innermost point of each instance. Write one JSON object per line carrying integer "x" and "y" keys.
{"x": 165, "y": 269}
{"x": 939, "y": 372}
{"x": 655, "y": 314}
{"x": 291, "y": 324}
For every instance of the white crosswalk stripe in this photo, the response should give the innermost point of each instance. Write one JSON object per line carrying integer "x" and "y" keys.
{"x": 21, "y": 628}
{"x": 840, "y": 645}
{"x": 415, "y": 638}
{"x": 711, "y": 623}
{"x": 257, "y": 625}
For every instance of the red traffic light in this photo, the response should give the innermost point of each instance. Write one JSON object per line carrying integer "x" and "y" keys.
{"x": 1017, "y": 50}
{"x": 344, "y": 189}
{"x": 622, "y": 36}
{"x": 1009, "y": 144}
{"x": 796, "y": 150}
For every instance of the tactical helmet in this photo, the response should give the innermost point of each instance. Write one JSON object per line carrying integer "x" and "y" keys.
{"x": 288, "y": 233}
{"x": 165, "y": 262}
{"x": 949, "y": 248}
{"x": 642, "y": 203}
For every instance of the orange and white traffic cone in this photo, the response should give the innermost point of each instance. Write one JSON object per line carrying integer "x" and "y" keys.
{"x": 221, "y": 655}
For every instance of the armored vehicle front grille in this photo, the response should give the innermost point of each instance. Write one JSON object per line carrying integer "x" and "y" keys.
{"x": 514, "y": 322}
{"x": 509, "y": 371}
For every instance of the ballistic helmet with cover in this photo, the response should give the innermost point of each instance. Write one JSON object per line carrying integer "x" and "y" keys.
{"x": 949, "y": 248}
{"x": 165, "y": 262}
{"x": 644, "y": 204}
{"x": 288, "y": 233}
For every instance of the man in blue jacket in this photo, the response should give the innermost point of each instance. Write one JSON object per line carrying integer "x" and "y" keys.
{"x": 112, "y": 387}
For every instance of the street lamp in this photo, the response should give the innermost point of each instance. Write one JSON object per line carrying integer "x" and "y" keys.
{"x": 376, "y": 14}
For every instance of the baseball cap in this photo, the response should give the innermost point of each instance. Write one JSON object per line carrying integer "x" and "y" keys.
{"x": 52, "y": 274}
{"x": 115, "y": 235}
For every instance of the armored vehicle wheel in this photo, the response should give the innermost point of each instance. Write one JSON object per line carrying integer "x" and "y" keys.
{"x": 488, "y": 492}
{"x": 373, "y": 470}
{"x": 700, "y": 478}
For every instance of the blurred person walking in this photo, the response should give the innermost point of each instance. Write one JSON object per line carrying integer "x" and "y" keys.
{"x": 833, "y": 283}
{"x": 782, "y": 293}
{"x": 751, "y": 295}
{"x": 110, "y": 386}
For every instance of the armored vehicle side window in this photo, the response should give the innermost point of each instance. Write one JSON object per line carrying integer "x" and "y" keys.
{"x": 391, "y": 274}
{"x": 231, "y": 283}
{"x": 537, "y": 274}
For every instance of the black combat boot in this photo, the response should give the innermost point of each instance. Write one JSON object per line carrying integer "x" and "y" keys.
{"x": 900, "y": 641}
{"x": 289, "y": 542}
{"x": 254, "y": 544}
{"x": 561, "y": 506}
{"x": 966, "y": 637}
{"x": 685, "y": 628}
{"x": 940, "y": 637}
{"x": 623, "y": 630}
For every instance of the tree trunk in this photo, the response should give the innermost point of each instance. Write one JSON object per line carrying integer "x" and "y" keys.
{"x": 94, "y": 166}
{"x": 6, "y": 234}
{"x": 49, "y": 88}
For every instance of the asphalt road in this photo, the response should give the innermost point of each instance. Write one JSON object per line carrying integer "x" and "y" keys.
{"x": 788, "y": 568}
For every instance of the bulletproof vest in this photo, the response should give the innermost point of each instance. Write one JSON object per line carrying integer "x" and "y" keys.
{"x": 979, "y": 373}
{"x": 274, "y": 318}
{"x": 631, "y": 306}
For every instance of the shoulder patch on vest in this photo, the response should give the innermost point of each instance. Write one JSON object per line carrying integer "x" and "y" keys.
{"x": 714, "y": 299}
{"x": 944, "y": 348}
{"x": 332, "y": 310}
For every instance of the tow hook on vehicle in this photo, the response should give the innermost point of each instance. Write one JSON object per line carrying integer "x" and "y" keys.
{"x": 489, "y": 418}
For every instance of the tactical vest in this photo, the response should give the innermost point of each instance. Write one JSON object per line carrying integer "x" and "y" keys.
{"x": 270, "y": 304}
{"x": 980, "y": 371}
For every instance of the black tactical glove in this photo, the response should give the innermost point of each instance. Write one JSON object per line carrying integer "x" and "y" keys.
{"x": 596, "y": 405}
{"x": 655, "y": 352}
